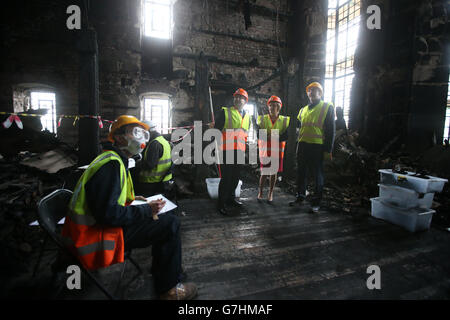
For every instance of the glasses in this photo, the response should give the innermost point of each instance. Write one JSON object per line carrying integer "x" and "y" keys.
{"x": 140, "y": 133}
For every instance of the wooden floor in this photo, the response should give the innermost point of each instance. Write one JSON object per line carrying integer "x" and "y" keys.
{"x": 287, "y": 253}
{"x": 279, "y": 252}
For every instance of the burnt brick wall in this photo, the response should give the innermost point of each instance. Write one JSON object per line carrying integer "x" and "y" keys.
{"x": 41, "y": 50}
{"x": 401, "y": 75}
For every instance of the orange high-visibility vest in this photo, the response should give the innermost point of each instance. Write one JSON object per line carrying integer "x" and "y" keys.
{"x": 96, "y": 246}
{"x": 235, "y": 130}
{"x": 265, "y": 148}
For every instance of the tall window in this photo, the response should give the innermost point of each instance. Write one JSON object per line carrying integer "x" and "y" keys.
{"x": 158, "y": 110}
{"x": 157, "y": 18}
{"x": 447, "y": 115}
{"x": 250, "y": 109}
{"x": 342, "y": 38}
{"x": 45, "y": 100}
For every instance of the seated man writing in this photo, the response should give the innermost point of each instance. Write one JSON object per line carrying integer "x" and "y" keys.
{"x": 100, "y": 224}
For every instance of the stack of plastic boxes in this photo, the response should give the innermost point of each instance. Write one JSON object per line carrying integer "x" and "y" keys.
{"x": 406, "y": 199}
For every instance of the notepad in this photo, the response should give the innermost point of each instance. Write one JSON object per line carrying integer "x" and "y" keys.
{"x": 168, "y": 207}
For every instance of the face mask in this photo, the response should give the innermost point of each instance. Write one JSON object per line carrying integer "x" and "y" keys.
{"x": 136, "y": 143}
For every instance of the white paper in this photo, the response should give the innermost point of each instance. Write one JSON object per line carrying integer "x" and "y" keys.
{"x": 131, "y": 164}
{"x": 168, "y": 206}
{"x": 36, "y": 223}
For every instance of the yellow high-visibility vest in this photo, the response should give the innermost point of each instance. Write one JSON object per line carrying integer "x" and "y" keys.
{"x": 96, "y": 246}
{"x": 265, "y": 148}
{"x": 312, "y": 120}
{"x": 158, "y": 173}
{"x": 235, "y": 130}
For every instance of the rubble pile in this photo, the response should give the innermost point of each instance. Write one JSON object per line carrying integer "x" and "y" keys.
{"x": 20, "y": 191}
{"x": 26, "y": 176}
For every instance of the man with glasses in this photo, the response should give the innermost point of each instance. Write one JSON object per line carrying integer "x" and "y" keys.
{"x": 101, "y": 225}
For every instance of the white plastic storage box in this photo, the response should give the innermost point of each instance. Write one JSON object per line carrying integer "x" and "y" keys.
{"x": 212, "y": 185}
{"x": 433, "y": 184}
{"x": 413, "y": 220}
{"x": 405, "y": 198}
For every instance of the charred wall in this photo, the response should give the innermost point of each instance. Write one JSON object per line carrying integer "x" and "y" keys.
{"x": 401, "y": 75}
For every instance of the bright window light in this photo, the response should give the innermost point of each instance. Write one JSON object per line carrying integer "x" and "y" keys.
{"x": 45, "y": 100}
{"x": 343, "y": 28}
{"x": 447, "y": 116}
{"x": 250, "y": 110}
{"x": 157, "y": 18}
{"x": 157, "y": 110}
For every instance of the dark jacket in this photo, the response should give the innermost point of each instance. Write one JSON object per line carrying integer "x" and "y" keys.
{"x": 328, "y": 128}
{"x": 154, "y": 151}
{"x": 102, "y": 191}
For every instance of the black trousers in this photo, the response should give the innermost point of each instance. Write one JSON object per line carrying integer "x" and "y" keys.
{"x": 310, "y": 160}
{"x": 164, "y": 237}
{"x": 230, "y": 179}
{"x": 233, "y": 161}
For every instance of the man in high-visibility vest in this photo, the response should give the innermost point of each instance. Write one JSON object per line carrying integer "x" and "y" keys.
{"x": 155, "y": 167}
{"x": 101, "y": 225}
{"x": 234, "y": 123}
{"x": 315, "y": 142}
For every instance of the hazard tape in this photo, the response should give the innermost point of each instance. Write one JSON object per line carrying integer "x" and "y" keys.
{"x": 14, "y": 118}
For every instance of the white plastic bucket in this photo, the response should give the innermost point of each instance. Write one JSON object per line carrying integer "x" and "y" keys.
{"x": 213, "y": 188}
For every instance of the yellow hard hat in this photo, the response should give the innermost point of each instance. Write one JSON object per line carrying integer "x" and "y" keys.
{"x": 314, "y": 84}
{"x": 123, "y": 121}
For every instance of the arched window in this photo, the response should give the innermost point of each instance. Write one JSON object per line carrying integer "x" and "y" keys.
{"x": 157, "y": 107}
{"x": 45, "y": 100}
{"x": 35, "y": 96}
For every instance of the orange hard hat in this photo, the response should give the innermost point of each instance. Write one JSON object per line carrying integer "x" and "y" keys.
{"x": 241, "y": 92}
{"x": 314, "y": 84}
{"x": 274, "y": 99}
{"x": 123, "y": 121}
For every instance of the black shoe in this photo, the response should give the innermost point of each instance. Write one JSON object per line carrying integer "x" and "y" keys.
{"x": 235, "y": 203}
{"x": 298, "y": 200}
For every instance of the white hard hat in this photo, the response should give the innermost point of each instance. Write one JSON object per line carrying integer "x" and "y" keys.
{"x": 151, "y": 124}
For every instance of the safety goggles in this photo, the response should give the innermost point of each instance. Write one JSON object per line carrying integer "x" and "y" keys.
{"x": 140, "y": 134}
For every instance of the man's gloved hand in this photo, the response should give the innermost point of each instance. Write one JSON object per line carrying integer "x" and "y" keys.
{"x": 327, "y": 156}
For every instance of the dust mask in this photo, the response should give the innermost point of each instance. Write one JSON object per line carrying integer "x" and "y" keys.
{"x": 136, "y": 141}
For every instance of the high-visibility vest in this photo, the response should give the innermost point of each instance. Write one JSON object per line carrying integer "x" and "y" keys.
{"x": 312, "y": 120}
{"x": 158, "y": 173}
{"x": 265, "y": 148}
{"x": 235, "y": 130}
{"x": 96, "y": 246}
